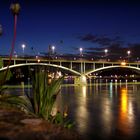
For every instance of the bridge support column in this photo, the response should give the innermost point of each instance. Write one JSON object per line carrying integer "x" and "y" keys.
{"x": 80, "y": 80}
{"x": 70, "y": 65}
{"x": 60, "y": 63}
{"x": 84, "y": 67}
{"x": 14, "y": 62}
{"x": 81, "y": 68}
{"x": 93, "y": 66}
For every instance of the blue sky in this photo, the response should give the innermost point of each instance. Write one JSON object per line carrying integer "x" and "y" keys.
{"x": 70, "y": 25}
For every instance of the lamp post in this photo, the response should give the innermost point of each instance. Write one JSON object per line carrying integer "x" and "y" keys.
{"x": 128, "y": 53}
{"x": 53, "y": 49}
{"x": 81, "y": 51}
{"x": 23, "y": 47}
{"x": 106, "y": 51}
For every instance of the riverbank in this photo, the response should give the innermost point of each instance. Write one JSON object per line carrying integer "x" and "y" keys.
{"x": 15, "y": 125}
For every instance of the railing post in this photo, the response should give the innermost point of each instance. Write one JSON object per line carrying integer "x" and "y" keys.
{"x": 70, "y": 64}
{"x": 14, "y": 62}
{"x": 84, "y": 67}
{"x": 81, "y": 67}
{"x": 93, "y": 66}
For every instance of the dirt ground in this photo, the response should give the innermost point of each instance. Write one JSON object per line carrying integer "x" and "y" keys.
{"x": 16, "y": 125}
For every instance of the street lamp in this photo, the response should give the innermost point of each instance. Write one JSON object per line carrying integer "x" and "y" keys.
{"x": 53, "y": 48}
{"x": 128, "y": 52}
{"x": 23, "y": 47}
{"x": 106, "y": 51}
{"x": 81, "y": 51}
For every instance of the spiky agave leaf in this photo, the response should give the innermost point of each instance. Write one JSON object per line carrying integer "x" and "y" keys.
{"x": 2, "y": 74}
{"x": 52, "y": 92}
{"x": 44, "y": 94}
{"x": 2, "y": 87}
{"x": 39, "y": 82}
{"x": 19, "y": 101}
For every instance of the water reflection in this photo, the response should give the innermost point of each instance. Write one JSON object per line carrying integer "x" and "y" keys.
{"x": 82, "y": 114}
{"x": 106, "y": 117}
{"x": 111, "y": 89}
{"x": 105, "y": 110}
{"x": 124, "y": 104}
{"x": 84, "y": 91}
{"x": 126, "y": 115}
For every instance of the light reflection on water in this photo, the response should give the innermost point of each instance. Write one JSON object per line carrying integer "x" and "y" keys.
{"x": 105, "y": 111}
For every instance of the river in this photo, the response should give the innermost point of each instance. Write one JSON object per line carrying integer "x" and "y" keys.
{"x": 104, "y": 110}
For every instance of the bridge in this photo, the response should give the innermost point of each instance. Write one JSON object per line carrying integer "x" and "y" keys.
{"x": 80, "y": 68}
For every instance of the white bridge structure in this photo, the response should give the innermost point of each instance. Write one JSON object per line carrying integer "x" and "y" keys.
{"x": 80, "y": 68}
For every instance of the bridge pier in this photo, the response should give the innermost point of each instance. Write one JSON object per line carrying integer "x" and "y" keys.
{"x": 80, "y": 80}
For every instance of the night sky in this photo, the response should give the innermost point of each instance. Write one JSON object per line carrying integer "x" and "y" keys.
{"x": 70, "y": 24}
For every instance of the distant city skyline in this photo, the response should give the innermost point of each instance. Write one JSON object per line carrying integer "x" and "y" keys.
{"x": 91, "y": 25}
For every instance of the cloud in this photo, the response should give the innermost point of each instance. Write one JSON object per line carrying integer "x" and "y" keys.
{"x": 102, "y": 40}
{"x": 117, "y": 48}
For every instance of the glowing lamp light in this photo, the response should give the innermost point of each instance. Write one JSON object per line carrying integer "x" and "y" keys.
{"x": 106, "y": 50}
{"x": 53, "y": 48}
{"x": 123, "y": 63}
{"x": 128, "y": 52}
{"x": 81, "y": 49}
{"x": 38, "y": 60}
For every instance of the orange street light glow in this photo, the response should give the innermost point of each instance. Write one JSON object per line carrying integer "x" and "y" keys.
{"x": 123, "y": 63}
{"x": 38, "y": 60}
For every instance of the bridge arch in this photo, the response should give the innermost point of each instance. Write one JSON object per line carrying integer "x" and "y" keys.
{"x": 110, "y": 67}
{"x": 41, "y": 64}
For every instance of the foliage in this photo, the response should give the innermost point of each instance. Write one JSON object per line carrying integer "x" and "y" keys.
{"x": 8, "y": 76}
{"x": 43, "y": 97}
{"x": 60, "y": 118}
{"x": 44, "y": 94}
{"x": 41, "y": 102}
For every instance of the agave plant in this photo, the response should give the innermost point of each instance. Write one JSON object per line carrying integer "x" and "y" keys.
{"x": 42, "y": 99}
{"x": 44, "y": 94}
